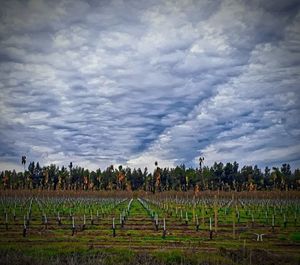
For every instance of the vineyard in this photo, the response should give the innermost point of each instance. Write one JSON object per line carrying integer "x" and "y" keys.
{"x": 229, "y": 227}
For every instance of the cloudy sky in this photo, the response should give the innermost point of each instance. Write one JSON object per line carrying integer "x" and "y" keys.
{"x": 132, "y": 82}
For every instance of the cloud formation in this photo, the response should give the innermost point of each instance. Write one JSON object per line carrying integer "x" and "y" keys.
{"x": 132, "y": 82}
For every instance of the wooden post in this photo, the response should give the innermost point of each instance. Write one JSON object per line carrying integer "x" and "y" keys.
{"x": 58, "y": 219}
{"x": 233, "y": 216}
{"x": 84, "y": 221}
{"x": 164, "y": 229}
{"x": 45, "y": 221}
{"x": 202, "y": 213}
{"x": 122, "y": 219}
{"x": 186, "y": 218}
{"x": 27, "y": 219}
{"x": 194, "y": 217}
{"x": 216, "y": 213}
{"x": 284, "y": 221}
{"x": 24, "y": 227}
{"x": 6, "y": 221}
{"x": 73, "y": 225}
{"x": 210, "y": 229}
{"x": 113, "y": 227}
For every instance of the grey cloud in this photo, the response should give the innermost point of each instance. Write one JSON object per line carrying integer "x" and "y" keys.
{"x": 101, "y": 82}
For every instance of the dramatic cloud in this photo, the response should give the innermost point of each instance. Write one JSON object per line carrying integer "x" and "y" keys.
{"x": 133, "y": 82}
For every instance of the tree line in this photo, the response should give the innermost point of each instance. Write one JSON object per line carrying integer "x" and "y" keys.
{"x": 217, "y": 177}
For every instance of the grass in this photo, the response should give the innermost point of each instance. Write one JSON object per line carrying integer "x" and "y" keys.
{"x": 110, "y": 256}
{"x": 295, "y": 236}
{"x": 138, "y": 242}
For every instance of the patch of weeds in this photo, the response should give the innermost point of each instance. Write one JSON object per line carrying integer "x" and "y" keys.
{"x": 295, "y": 236}
{"x": 170, "y": 257}
{"x": 282, "y": 238}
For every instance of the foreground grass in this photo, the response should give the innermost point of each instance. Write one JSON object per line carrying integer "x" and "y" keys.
{"x": 109, "y": 257}
{"x": 139, "y": 242}
{"x": 73, "y": 254}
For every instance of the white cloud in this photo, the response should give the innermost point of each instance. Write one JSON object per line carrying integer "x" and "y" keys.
{"x": 113, "y": 82}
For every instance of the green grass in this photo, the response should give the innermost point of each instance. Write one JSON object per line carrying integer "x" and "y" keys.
{"x": 295, "y": 236}
{"x": 129, "y": 242}
{"x": 189, "y": 257}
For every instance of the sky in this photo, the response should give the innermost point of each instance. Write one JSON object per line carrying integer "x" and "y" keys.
{"x": 138, "y": 81}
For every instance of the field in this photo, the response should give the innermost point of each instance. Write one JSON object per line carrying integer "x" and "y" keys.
{"x": 140, "y": 228}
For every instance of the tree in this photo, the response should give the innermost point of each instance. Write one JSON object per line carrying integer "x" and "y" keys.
{"x": 98, "y": 180}
{"x": 286, "y": 174}
{"x": 63, "y": 178}
{"x": 23, "y": 161}
{"x": 201, "y": 160}
{"x": 296, "y": 179}
{"x": 246, "y": 177}
{"x": 276, "y": 177}
{"x": 208, "y": 177}
{"x": 53, "y": 175}
{"x": 228, "y": 174}
{"x": 218, "y": 172}
{"x": 257, "y": 176}
{"x": 179, "y": 178}
{"x": 267, "y": 178}
{"x": 192, "y": 177}
{"x": 108, "y": 178}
